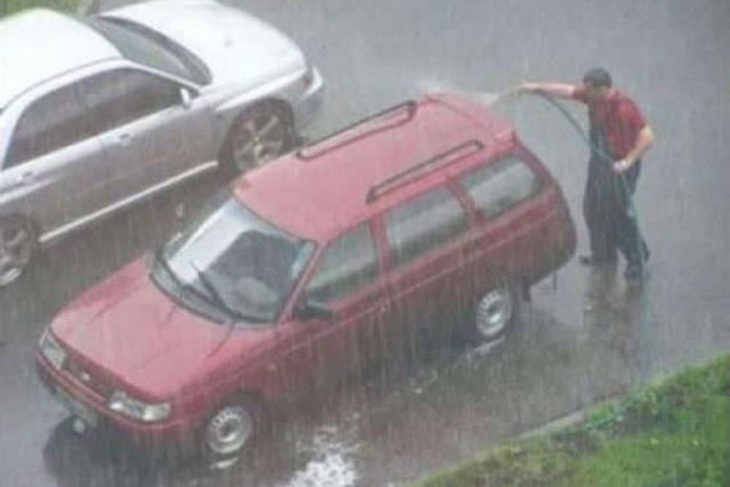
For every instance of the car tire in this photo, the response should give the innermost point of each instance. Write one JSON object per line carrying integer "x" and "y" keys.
{"x": 232, "y": 428}
{"x": 18, "y": 244}
{"x": 258, "y": 135}
{"x": 496, "y": 313}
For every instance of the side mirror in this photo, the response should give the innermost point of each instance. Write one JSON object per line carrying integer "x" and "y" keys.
{"x": 186, "y": 98}
{"x": 312, "y": 310}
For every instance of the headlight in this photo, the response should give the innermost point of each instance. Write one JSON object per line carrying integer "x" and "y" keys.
{"x": 52, "y": 350}
{"x": 121, "y": 403}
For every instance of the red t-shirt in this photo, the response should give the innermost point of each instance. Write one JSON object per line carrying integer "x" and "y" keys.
{"x": 620, "y": 118}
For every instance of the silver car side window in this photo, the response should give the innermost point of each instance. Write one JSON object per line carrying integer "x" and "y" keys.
{"x": 122, "y": 96}
{"x": 146, "y": 47}
{"x": 50, "y": 123}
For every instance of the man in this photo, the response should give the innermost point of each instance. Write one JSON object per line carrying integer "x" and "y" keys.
{"x": 619, "y": 137}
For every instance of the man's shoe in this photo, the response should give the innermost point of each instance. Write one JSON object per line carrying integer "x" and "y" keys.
{"x": 588, "y": 259}
{"x": 635, "y": 275}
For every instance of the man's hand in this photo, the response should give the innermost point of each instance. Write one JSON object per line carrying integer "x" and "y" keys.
{"x": 521, "y": 89}
{"x": 561, "y": 90}
{"x": 621, "y": 166}
{"x": 646, "y": 138}
{"x": 525, "y": 88}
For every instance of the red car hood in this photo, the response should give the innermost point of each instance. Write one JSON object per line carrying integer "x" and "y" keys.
{"x": 128, "y": 329}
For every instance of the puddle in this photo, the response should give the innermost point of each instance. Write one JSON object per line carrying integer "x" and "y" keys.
{"x": 332, "y": 461}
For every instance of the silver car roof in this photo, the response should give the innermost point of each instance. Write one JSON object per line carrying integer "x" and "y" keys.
{"x": 39, "y": 44}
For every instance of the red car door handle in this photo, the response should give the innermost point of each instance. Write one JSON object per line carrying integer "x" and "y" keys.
{"x": 473, "y": 246}
{"x": 372, "y": 299}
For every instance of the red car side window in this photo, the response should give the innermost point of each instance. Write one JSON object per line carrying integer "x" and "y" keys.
{"x": 498, "y": 186}
{"x": 424, "y": 223}
{"x": 347, "y": 265}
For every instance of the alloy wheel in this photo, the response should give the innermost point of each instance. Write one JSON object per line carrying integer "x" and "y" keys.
{"x": 258, "y": 139}
{"x": 16, "y": 249}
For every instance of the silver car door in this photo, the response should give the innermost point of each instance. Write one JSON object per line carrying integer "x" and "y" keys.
{"x": 150, "y": 133}
{"x": 52, "y": 170}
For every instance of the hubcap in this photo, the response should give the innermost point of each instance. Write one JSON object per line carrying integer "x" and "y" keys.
{"x": 494, "y": 313}
{"x": 16, "y": 247}
{"x": 229, "y": 430}
{"x": 257, "y": 140}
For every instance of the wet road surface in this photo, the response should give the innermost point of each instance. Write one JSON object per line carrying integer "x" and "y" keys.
{"x": 669, "y": 55}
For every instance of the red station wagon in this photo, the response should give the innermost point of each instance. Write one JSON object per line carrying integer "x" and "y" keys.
{"x": 312, "y": 267}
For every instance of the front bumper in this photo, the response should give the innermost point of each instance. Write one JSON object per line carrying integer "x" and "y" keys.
{"x": 310, "y": 103}
{"x": 93, "y": 410}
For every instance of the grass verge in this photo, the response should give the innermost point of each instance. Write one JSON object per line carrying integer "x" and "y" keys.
{"x": 10, "y": 6}
{"x": 673, "y": 433}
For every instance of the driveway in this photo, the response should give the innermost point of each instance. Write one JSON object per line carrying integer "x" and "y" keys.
{"x": 670, "y": 55}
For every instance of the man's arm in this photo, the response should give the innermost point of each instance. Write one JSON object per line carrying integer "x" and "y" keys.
{"x": 643, "y": 141}
{"x": 560, "y": 90}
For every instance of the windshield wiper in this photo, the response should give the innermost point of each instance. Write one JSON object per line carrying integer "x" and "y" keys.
{"x": 213, "y": 293}
{"x": 160, "y": 258}
{"x": 232, "y": 314}
{"x": 184, "y": 286}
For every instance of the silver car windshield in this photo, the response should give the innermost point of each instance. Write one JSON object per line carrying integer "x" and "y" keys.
{"x": 245, "y": 265}
{"x": 147, "y": 47}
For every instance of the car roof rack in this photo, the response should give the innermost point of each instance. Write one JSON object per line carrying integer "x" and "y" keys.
{"x": 414, "y": 172}
{"x": 309, "y": 151}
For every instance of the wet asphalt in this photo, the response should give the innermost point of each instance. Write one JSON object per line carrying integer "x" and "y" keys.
{"x": 670, "y": 55}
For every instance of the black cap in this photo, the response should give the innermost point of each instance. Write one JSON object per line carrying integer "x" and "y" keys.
{"x": 597, "y": 77}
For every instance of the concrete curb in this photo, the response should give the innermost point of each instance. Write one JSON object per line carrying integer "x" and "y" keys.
{"x": 569, "y": 420}
{"x": 556, "y": 425}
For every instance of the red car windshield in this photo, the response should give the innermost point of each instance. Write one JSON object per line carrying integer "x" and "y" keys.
{"x": 243, "y": 264}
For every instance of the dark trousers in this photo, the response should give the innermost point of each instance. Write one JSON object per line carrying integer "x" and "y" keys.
{"x": 611, "y": 225}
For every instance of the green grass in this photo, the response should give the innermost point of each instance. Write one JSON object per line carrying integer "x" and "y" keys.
{"x": 11, "y": 6}
{"x": 675, "y": 433}
{"x": 527, "y": 464}
{"x": 691, "y": 449}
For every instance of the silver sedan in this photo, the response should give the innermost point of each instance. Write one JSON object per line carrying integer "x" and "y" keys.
{"x": 98, "y": 113}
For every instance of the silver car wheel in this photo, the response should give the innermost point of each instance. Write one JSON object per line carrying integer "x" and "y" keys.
{"x": 228, "y": 431}
{"x": 16, "y": 249}
{"x": 494, "y": 313}
{"x": 258, "y": 139}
